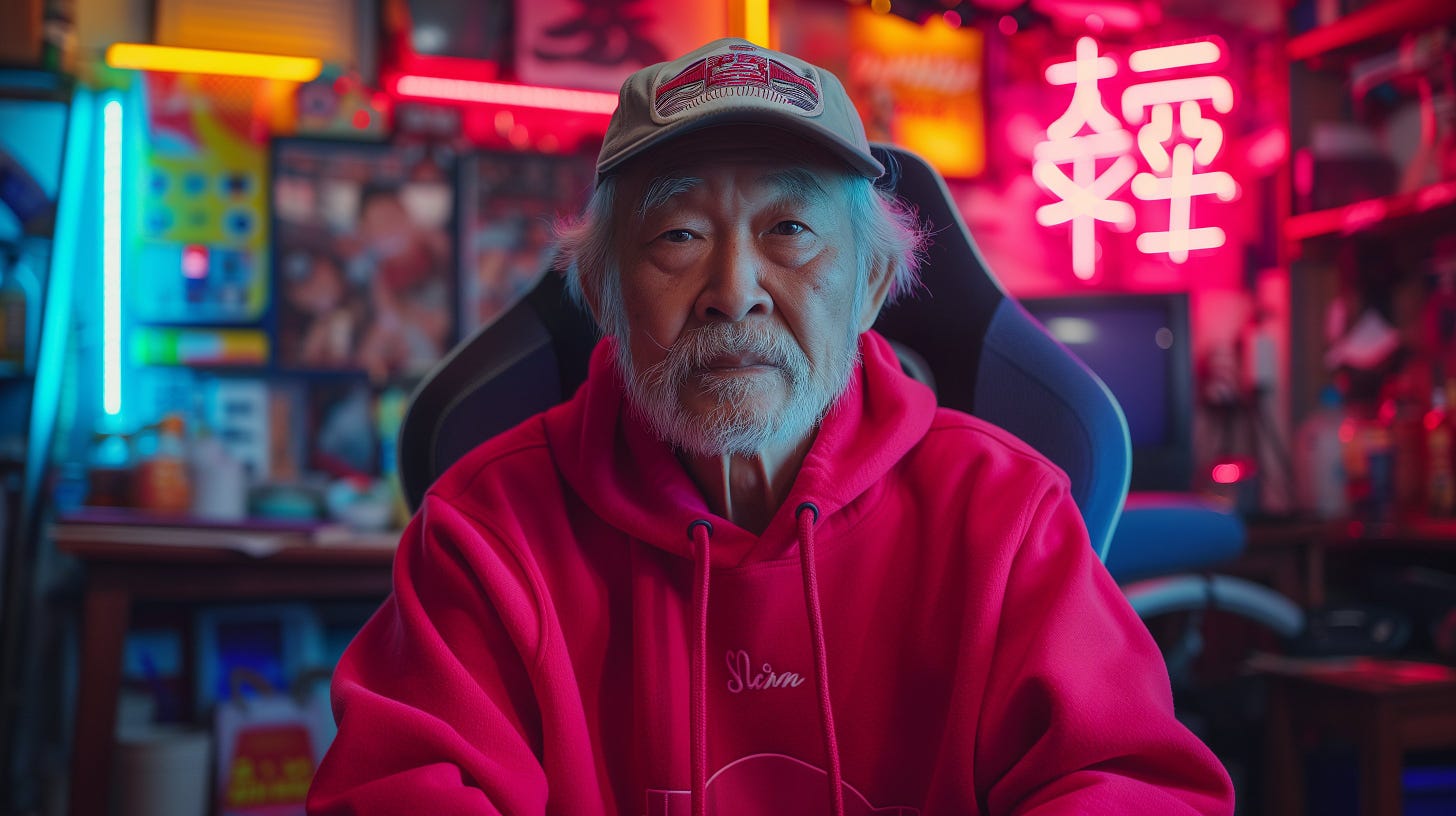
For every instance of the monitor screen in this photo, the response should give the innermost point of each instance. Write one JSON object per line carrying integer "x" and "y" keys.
{"x": 1140, "y": 346}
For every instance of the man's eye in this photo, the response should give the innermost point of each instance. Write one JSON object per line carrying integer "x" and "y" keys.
{"x": 788, "y": 228}
{"x": 677, "y": 236}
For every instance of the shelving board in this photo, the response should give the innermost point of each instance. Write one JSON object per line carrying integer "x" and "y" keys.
{"x": 1374, "y": 22}
{"x": 1363, "y": 216}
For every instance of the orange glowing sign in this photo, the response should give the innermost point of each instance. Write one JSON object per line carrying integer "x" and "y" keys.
{"x": 920, "y": 86}
{"x": 1170, "y": 113}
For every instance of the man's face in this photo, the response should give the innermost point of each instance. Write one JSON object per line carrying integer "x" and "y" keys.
{"x": 740, "y": 296}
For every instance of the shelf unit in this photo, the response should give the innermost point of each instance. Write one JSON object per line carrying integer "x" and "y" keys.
{"x": 1376, "y": 24}
{"x": 29, "y": 395}
{"x": 1405, "y": 223}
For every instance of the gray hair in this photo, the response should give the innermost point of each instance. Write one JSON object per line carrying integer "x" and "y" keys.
{"x": 887, "y": 232}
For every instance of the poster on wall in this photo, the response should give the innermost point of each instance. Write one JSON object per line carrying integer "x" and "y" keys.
{"x": 201, "y": 241}
{"x": 595, "y": 44}
{"x": 510, "y": 205}
{"x": 364, "y": 260}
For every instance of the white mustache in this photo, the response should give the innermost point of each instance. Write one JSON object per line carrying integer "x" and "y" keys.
{"x": 696, "y": 348}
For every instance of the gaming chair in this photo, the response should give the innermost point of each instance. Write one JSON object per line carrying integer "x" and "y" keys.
{"x": 962, "y": 333}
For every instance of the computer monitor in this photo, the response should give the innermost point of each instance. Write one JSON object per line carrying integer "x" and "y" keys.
{"x": 1141, "y": 347}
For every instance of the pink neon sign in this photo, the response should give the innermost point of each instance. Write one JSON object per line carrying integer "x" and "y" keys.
{"x": 1168, "y": 114}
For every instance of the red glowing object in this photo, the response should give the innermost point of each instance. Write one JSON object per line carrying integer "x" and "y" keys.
{"x": 1228, "y": 473}
{"x": 1007, "y": 25}
{"x": 194, "y": 261}
{"x": 505, "y": 94}
{"x": 1433, "y": 419}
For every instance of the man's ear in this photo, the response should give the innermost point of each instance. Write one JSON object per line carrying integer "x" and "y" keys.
{"x": 877, "y": 290}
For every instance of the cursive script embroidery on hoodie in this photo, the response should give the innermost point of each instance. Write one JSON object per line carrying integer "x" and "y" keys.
{"x": 742, "y": 677}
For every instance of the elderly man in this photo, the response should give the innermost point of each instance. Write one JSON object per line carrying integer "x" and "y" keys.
{"x": 751, "y": 568}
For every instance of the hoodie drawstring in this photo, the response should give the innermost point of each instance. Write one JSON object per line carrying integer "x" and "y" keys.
{"x": 807, "y": 515}
{"x": 701, "y": 533}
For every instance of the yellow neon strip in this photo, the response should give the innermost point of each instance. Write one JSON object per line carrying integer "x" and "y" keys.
{"x": 200, "y": 61}
{"x": 755, "y": 22}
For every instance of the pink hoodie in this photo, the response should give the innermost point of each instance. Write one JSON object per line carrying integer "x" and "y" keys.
{"x": 922, "y": 629}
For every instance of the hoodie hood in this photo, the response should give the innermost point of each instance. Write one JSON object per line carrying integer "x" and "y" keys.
{"x": 610, "y": 458}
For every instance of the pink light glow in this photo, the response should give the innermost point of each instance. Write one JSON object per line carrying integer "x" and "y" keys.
{"x": 1174, "y": 56}
{"x": 1151, "y": 137}
{"x": 1269, "y": 149}
{"x": 1303, "y": 171}
{"x": 1177, "y": 139}
{"x": 499, "y": 93}
{"x": 1433, "y": 419}
{"x": 1174, "y": 178}
{"x": 1138, "y": 98}
{"x": 194, "y": 261}
{"x": 1437, "y": 195}
{"x": 1227, "y": 473}
{"x": 1007, "y": 25}
{"x": 1086, "y": 108}
{"x": 1085, "y": 194}
{"x": 1179, "y": 190}
{"x": 1364, "y": 214}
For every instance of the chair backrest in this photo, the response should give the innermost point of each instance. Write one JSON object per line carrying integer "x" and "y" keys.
{"x": 984, "y": 354}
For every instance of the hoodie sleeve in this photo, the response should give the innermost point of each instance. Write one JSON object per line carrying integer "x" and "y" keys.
{"x": 434, "y": 696}
{"x": 1078, "y": 714}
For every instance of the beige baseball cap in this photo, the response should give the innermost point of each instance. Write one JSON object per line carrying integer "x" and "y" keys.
{"x": 732, "y": 81}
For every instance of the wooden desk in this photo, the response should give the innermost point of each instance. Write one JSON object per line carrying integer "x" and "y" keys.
{"x": 1294, "y": 556}
{"x": 1385, "y": 708}
{"x": 121, "y": 570}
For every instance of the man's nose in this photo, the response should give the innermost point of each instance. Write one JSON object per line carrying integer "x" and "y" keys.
{"x": 734, "y": 289}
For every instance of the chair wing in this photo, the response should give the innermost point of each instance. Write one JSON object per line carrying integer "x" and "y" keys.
{"x": 993, "y": 360}
{"x": 530, "y": 358}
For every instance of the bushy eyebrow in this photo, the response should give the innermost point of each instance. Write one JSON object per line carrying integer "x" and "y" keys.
{"x": 799, "y": 185}
{"x": 662, "y": 189}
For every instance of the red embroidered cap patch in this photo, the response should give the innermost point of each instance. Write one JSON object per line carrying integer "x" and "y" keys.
{"x": 740, "y": 72}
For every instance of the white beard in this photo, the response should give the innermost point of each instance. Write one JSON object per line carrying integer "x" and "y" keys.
{"x": 734, "y": 426}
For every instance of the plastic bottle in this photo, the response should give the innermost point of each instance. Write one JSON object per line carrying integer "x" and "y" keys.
{"x": 1319, "y": 466}
{"x": 109, "y": 471}
{"x": 15, "y": 305}
{"x": 1369, "y": 464}
{"x": 163, "y": 484}
{"x": 220, "y": 482}
{"x": 1440, "y": 480}
{"x": 1404, "y": 412}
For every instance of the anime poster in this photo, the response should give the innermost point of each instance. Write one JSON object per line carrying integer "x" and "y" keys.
{"x": 364, "y": 263}
{"x": 511, "y": 203}
{"x": 595, "y": 44}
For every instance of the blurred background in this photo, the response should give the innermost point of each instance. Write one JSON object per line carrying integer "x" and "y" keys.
{"x": 234, "y": 236}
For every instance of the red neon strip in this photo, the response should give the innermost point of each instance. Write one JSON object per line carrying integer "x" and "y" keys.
{"x": 1365, "y": 214}
{"x": 1375, "y": 20}
{"x": 500, "y": 93}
